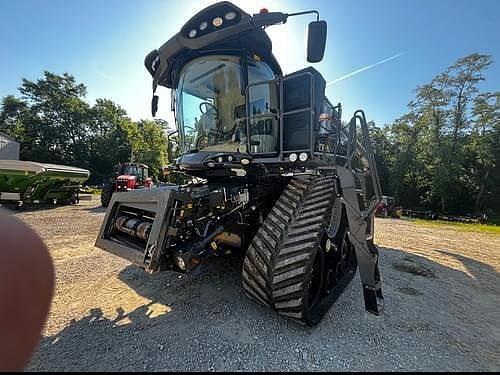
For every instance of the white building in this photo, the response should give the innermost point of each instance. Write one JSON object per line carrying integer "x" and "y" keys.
{"x": 9, "y": 148}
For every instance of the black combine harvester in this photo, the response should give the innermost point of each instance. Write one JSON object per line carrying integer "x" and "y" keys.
{"x": 276, "y": 175}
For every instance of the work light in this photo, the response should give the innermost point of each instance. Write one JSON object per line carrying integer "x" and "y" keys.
{"x": 217, "y": 22}
{"x": 230, "y": 16}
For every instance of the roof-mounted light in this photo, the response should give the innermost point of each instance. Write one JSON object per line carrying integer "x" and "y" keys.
{"x": 217, "y": 22}
{"x": 230, "y": 16}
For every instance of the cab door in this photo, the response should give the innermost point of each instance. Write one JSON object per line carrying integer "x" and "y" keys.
{"x": 263, "y": 125}
{"x": 302, "y": 95}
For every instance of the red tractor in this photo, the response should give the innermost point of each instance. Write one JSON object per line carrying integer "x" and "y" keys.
{"x": 127, "y": 176}
{"x": 388, "y": 208}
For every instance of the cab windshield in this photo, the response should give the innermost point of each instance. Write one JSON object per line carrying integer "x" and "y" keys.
{"x": 210, "y": 103}
{"x": 130, "y": 170}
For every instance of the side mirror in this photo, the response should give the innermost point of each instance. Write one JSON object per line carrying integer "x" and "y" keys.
{"x": 316, "y": 41}
{"x": 154, "y": 105}
{"x": 172, "y": 139}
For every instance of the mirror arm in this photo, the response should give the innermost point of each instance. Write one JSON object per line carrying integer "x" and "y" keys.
{"x": 274, "y": 18}
{"x": 306, "y": 12}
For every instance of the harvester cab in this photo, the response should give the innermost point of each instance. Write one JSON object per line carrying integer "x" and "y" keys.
{"x": 277, "y": 176}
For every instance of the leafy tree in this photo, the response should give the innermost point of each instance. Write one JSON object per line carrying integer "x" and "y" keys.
{"x": 110, "y": 143}
{"x": 464, "y": 76}
{"x": 444, "y": 150}
{"x": 12, "y": 117}
{"x": 149, "y": 145}
{"x": 55, "y": 124}
{"x": 382, "y": 149}
{"x": 484, "y": 145}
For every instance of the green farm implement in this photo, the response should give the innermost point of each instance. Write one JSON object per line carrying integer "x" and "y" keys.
{"x": 31, "y": 182}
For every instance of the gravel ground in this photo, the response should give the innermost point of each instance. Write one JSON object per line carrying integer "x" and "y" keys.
{"x": 441, "y": 288}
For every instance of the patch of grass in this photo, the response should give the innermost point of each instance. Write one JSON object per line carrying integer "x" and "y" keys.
{"x": 463, "y": 227}
{"x": 94, "y": 191}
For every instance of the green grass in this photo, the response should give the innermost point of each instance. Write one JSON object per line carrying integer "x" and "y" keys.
{"x": 463, "y": 227}
{"x": 92, "y": 191}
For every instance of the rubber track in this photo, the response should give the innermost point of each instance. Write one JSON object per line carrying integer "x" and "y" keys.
{"x": 278, "y": 264}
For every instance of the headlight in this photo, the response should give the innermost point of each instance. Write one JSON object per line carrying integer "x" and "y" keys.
{"x": 203, "y": 25}
{"x": 179, "y": 262}
{"x": 303, "y": 156}
{"x": 192, "y": 33}
{"x": 245, "y": 161}
{"x": 220, "y": 159}
{"x": 293, "y": 157}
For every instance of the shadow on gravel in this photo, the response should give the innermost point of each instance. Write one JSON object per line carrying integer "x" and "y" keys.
{"x": 480, "y": 275}
{"x": 98, "y": 209}
{"x": 198, "y": 304}
{"x": 210, "y": 313}
{"x": 31, "y": 207}
{"x": 483, "y": 274}
{"x": 89, "y": 343}
{"x": 219, "y": 277}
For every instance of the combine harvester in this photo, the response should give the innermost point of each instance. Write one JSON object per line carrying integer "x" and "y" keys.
{"x": 24, "y": 182}
{"x": 277, "y": 176}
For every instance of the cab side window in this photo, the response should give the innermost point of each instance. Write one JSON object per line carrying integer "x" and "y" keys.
{"x": 263, "y": 109}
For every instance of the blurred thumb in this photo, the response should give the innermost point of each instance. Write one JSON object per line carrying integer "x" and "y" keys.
{"x": 26, "y": 290}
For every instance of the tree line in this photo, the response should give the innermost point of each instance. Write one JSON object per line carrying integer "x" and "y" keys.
{"x": 55, "y": 124}
{"x": 444, "y": 153}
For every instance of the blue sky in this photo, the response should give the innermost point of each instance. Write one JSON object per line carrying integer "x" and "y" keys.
{"x": 103, "y": 44}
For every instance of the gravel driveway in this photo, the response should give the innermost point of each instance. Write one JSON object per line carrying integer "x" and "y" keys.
{"x": 442, "y": 300}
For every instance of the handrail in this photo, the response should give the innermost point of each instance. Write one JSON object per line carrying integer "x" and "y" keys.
{"x": 372, "y": 165}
